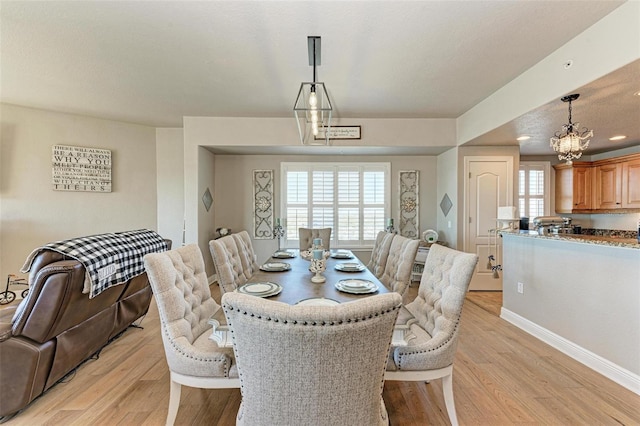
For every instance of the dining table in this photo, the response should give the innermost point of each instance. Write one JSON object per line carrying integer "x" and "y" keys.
{"x": 288, "y": 272}
{"x": 296, "y": 279}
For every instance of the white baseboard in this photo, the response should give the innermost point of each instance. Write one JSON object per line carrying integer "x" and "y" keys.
{"x": 597, "y": 363}
{"x": 212, "y": 279}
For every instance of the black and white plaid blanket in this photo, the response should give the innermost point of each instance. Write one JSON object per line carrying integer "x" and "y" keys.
{"x": 109, "y": 259}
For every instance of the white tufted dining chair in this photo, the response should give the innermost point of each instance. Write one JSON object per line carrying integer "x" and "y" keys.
{"x": 233, "y": 262}
{"x": 380, "y": 253}
{"x": 433, "y": 319}
{"x": 307, "y": 235}
{"x": 397, "y": 271}
{"x": 248, "y": 256}
{"x": 311, "y": 365}
{"x": 181, "y": 291}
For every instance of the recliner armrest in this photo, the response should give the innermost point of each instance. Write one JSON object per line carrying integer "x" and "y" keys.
{"x": 6, "y": 317}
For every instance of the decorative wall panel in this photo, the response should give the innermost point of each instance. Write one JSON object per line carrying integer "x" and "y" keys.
{"x": 409, "y": 225}
{"x": 263, "y": 204}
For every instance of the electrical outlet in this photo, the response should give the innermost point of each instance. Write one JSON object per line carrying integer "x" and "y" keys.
{"x": 449, "y": 224}
{"x": 521, "y": 288}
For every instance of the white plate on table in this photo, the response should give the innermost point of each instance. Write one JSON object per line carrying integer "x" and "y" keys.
{"x": 283, "y": 255}
{"x": 355, "y": 286}
{"x": 318, "y": 301}
{"x": 275, "y": 267}
{"x": 350, "y": 267}
{"x": 342, "y": 254}
{"x": 261, "y": 289}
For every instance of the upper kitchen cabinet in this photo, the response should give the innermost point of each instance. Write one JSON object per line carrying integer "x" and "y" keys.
{"x": 601, "y": 186}
{"x": 574, "y": 187}
{"x": 631, "y": 183}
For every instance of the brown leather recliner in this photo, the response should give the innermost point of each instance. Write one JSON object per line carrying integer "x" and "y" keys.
{"x": 57, "y": 326}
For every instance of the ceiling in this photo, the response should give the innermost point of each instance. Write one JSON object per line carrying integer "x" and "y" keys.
{"x": 153, "y": 63}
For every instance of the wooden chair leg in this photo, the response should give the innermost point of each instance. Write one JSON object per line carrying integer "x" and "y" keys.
{"x": 174, "y": 402}
{"x": 447, "y": 390}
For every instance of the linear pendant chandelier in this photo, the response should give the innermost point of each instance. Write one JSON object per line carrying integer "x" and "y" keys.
{"x": 312, "y": 109}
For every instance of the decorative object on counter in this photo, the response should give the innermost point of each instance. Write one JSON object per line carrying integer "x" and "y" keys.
{"x": 263, "y": 204}
{"x": 312, "y": 109}
{"x": 408, "y": 182}
{"x": 223, "y": 232}
{"x": 430, "y": 236}
{"x": 507, "y": 217}
{"x": 390, "y": 229}
{"x": 318, "y": 266}
{"x": 278, "y": 232}
{"x": 571, "y": 140}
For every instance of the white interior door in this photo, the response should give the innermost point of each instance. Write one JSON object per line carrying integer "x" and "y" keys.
{"x": 489, "y": 185}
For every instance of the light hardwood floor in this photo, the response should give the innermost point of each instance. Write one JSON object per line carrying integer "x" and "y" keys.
{"x": 502, "y": 376}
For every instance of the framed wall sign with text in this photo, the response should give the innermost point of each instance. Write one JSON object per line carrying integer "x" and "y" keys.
{"x": 339, "y": 132}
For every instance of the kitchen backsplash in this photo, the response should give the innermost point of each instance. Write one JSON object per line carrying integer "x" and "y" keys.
{"x": 610, "y": 233}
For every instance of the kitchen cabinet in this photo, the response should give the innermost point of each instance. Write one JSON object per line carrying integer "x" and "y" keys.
{"x": 574, "y": 187}
{"x": 631, "y": 183}
{"x": 606, "y": 185}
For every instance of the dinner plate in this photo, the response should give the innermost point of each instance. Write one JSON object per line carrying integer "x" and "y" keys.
{"x": 275, "y": 267}
{"x": 355, "y": 286}
{"x": 261, "y": 289}
{"x": 342, "y": 254}
{"x": 350, "y": 267}
{"x": 283, "y": 255}
{"x": 318, "y": 301}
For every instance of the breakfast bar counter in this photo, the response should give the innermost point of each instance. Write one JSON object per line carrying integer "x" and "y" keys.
{"x": 580, "y": 294}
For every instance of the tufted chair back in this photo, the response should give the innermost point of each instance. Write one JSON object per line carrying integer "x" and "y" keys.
{"x": 185, "y": 305}
{"x": 311, "y": 365}
{"x": 438, "y": 306}
{"x": 247, "y": 255}
{"x": 380, "y": 253}
{"x": 230, "y": 260}
{"x": 307, "y": 235}
{"x": 397, "y": 271}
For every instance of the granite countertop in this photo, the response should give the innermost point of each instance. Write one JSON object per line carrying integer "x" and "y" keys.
{"x": 580, "y": 238}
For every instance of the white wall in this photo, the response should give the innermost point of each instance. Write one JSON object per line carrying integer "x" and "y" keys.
{"x": 170, "y": 188}
{"x": 447, "y": 182}
{"x": 234, "y": 191}
{"x": 32, "y": 213}
{"x": 206, "y": 219}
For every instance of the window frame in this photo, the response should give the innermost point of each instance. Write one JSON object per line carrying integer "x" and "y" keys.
{"x": 546, "y": 196}
{"x": 335, "y": 167}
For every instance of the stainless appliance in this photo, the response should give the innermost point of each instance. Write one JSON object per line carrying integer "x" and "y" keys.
{"x": 546, "y": 225}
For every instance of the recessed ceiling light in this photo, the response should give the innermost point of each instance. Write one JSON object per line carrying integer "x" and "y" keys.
{"x": 523, "y": 138}
{"x": 617, "y": 138}
{"x": 637, "y": 93}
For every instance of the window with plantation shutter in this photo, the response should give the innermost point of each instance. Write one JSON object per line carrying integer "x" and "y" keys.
{"x": 533, "y": 189}
{"x": 350, "y": 198}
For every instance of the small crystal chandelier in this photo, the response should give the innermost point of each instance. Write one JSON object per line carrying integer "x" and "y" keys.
{"x": 571, "y": 140}
{"x": 312, "y": 109}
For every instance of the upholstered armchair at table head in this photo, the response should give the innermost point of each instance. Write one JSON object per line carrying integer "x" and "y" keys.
{"x": 433, "y": 322}
{"x": 185, "y": 305}
{"x": 233, "y": 261}
{"x": 397, "y": 271}
{"x": 311, "y": 365}
{"x": 307, "y": 235}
